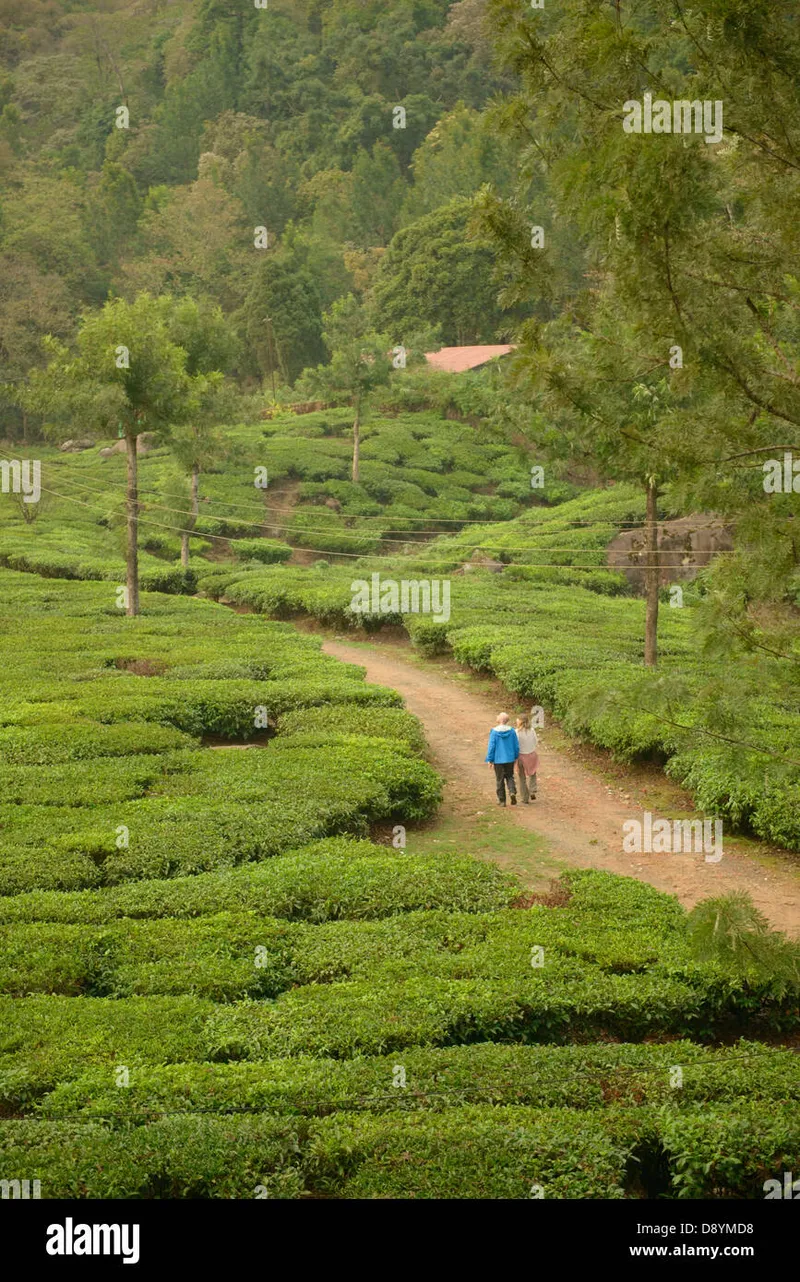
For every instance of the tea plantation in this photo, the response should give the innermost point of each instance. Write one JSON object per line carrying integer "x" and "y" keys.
{"x": 577, "y": 652}
{"x": 419, "y": 473}
{"x": 557, "y": 626}
{"x": 214, "y": 985}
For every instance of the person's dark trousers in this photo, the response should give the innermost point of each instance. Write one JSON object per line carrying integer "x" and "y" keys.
{"x": 504, "y": 774}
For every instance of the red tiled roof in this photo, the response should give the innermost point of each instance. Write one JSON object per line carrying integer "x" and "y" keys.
{"x": 455, "y": 360}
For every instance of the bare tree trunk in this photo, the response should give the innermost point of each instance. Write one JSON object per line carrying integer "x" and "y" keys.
{"x": 132, "y": 559}
{"x": 356, "y": 439}
{"x": 651, "y": 576}
{"x": 190, "y": 522}
{"x": 24, "y": 427}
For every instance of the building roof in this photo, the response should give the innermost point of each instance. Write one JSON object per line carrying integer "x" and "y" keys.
{"x": 456, "y": 360}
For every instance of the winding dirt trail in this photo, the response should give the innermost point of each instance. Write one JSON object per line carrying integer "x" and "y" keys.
{"x": 578, "y": 814}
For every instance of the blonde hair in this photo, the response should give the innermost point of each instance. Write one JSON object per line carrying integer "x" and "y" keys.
{"x": 524, "y": 722}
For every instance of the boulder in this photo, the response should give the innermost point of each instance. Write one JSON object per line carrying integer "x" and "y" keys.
{"x": 478, "y": 562}
{"x": 685, "y": 545}
{"x": 73, "y": 447}
{"x": 144, "y": 443}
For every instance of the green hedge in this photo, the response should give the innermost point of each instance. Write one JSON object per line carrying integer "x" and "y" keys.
{"x": 267, "y": 551}
{"x": 475, "y": 1152}
{"x": 335, "y": 878}
{"x": 578, "y": 1077}
{"x": 388, "y": 723}
{"x": 360, "y": 1018}
{"x": 730, "y": 1152}
{"x": 45, "y": 1040}
{"x": 83, "y": 740}
{"x": 181, "y": 1157}
{"x": 136, "y": 697}
{"x": 276, "y": 800}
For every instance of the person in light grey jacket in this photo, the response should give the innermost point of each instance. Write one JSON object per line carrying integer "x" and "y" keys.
{"x": 528, "y": 759}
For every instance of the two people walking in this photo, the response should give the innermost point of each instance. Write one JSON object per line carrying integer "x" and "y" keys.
{"x": 510, "y": 748}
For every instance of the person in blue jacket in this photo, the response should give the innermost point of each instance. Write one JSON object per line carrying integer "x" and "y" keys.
{"x": 502, "y": 753}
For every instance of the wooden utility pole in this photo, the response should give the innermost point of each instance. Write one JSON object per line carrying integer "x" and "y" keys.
{"x": 132, "y": 559}
{"x": 652, "y": 568}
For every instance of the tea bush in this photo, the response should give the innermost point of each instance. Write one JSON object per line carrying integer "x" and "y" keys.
{"x": 136, "y": 702}
{"x": 330, "y": 879}
{"x": 474, "y": 1152}
{"x": 731, "y": 1152}
{"x": 438, "y": 1078}
{"x": 266, "y": 550}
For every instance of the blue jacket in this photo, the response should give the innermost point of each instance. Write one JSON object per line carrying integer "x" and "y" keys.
{"x": 503, "y": 745}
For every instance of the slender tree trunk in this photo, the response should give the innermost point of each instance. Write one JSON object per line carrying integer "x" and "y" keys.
{"x": 195, "y": 490}
{"x": 651, "y": 576}
{"x": 356, "y": 439}
{"x": 195, "y": 513}
{"x": 24, "y": 427}
{"x": 132, "y": 559}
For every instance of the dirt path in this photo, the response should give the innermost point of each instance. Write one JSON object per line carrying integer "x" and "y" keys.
{"x": 579, "y": 815}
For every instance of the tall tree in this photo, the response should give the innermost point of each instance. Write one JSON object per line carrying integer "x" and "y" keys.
{"x": 114, "y": 211}
{"x": 462, "y": 152}
{"x": 434, "y": 273}
{"x": 32, "y": 304}
{"x": 377, "y": 195}
{"x": 685, "y": 215}
{"x": 210, "y": 345}
{"x": 360, "y": 362}
{"x": 282, "y": 319}
{"x": 196, "y": 243}
{"x": 128, "y": 374}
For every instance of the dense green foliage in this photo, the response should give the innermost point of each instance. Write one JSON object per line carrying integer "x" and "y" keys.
{"x": 286, "y": 118}
{"x": 209, "y": 1072}
{"x": 419, "y": 473}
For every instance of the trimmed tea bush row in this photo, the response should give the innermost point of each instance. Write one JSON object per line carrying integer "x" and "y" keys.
{"x": 472, "y": 1152}
{"x": 135, "y": 698}
{"x": 328, "y": 880}
{"x": 275, "y": 800}
{"x": 232, "y": 954}
{"x": 48, "y": 1039}
{"x": 419, "y": 471}
{"x": 680, "y": 1074}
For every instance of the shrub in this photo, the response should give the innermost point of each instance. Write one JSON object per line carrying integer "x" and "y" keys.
{"x": 577, "y": 1077}
{"x": 265, "y": 550}
{"x": 329, "y": 880}
{"x": 474, "y": 1152}
{"x": 731, "y": 1151}
{"x": 179, "y": 1157}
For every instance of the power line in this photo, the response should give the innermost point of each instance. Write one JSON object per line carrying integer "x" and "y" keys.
{"x": 531, "y": 509}
{"x": 356, "y": 535}
{"x": 323, "y": 552}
